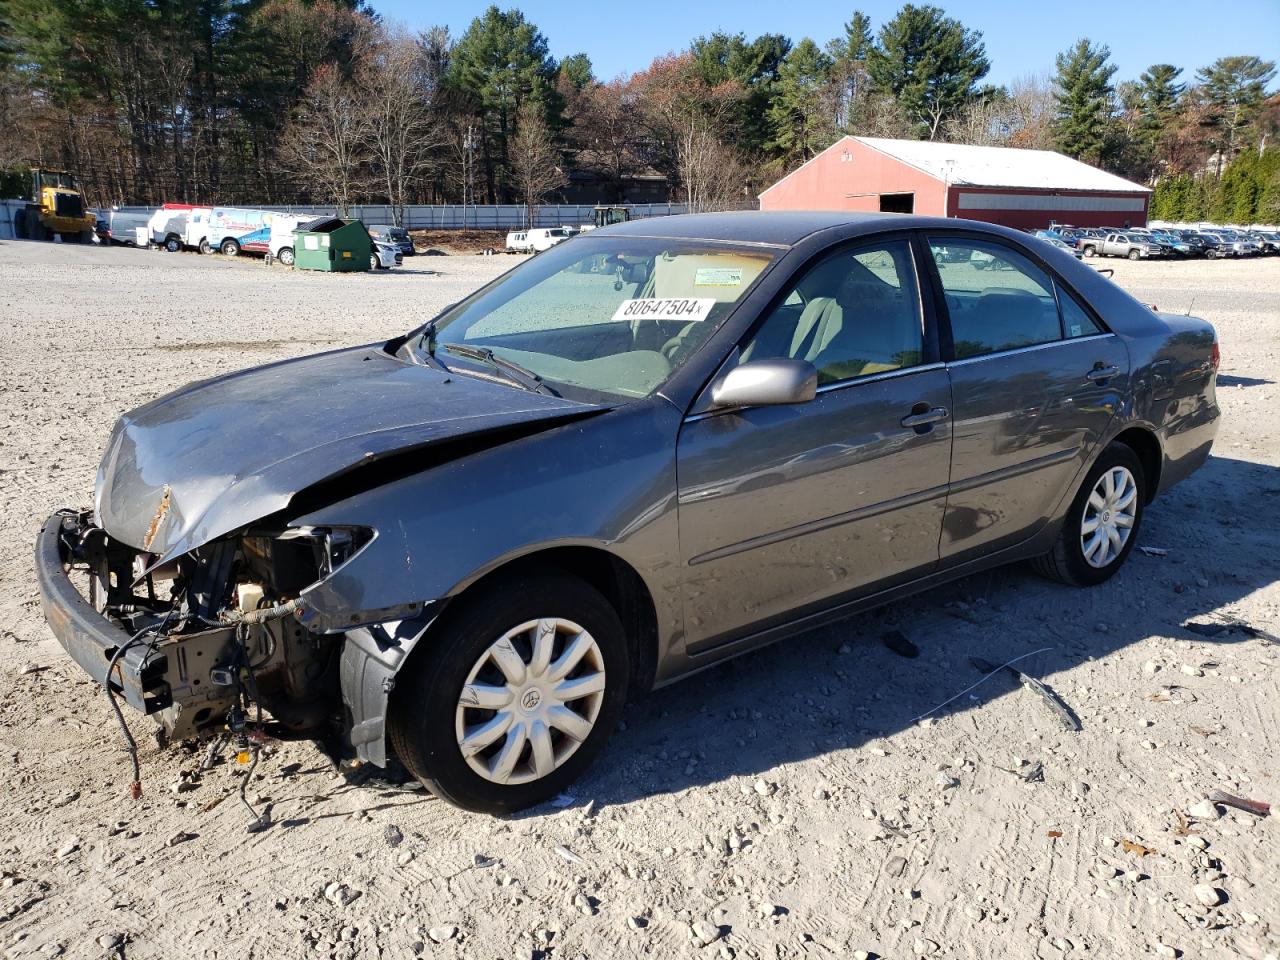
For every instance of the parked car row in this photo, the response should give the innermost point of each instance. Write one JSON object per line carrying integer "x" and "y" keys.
{"x": 1143, "y": 243}
{"x": 233, "y": 231}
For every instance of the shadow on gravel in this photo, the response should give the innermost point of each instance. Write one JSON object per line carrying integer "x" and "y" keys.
{"x": 803, "y": 698}
{"x": 1229, "y": 381}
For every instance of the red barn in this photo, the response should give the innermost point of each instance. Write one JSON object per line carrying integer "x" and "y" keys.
{"x": 1025, "y": 189}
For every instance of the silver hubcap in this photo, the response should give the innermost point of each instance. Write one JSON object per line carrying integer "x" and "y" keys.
{"x": 530, "y": 701}
{"x": 1108, "y": 516}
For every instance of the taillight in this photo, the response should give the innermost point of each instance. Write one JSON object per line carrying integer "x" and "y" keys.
{"x": 1215, "y": 356}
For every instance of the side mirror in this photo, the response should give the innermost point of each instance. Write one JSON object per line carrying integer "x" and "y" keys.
{"x": 766, "y": 383}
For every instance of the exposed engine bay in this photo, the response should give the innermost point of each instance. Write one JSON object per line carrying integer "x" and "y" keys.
{"x": 217, "y": 626}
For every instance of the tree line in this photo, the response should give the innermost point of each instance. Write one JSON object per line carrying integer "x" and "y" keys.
{"x": 321, "y": 101}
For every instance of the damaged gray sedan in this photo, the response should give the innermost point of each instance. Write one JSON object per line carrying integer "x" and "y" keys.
{"x": 646, "y": 450}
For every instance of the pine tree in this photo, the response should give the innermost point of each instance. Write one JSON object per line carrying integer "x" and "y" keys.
{"x": 930, "y": 63}
{"x": 798, "y": 113}
{"x": 1235, "y": 88}
{"x": 1083, "y": 96}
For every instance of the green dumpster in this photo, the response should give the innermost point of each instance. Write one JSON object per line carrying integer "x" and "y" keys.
{"x": 332, "y": 244}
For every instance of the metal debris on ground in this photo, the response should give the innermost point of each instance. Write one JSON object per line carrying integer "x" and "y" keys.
{"x": 1154, "y": 551}
{"x": 1055, "y": 703}
{"x": 1029, "y": 772}
{"x": 897, "y": 641}
{"x": 1256, "y": 807}
{"x": 567, "y": 854}
{"x": 974, "y": 686}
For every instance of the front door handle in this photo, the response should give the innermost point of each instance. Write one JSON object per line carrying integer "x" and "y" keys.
{"x": 923, "y": 420}
{"x": 1100, "y": 373}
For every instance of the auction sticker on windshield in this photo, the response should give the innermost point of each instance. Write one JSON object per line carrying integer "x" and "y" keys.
{"x": 670, "y": 308}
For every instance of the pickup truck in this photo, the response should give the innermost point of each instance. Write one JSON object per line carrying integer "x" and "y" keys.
{"x": 1133, "y": 246}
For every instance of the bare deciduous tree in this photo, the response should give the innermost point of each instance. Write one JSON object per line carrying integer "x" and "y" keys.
{"x": 536, "y": 163}
{"x": 397, "y": 90}
{"x": 327, "y": 144}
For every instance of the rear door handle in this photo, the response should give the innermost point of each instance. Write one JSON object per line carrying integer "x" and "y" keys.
{"x": 925, "y": 418}
{"x": 1102, "y": 373}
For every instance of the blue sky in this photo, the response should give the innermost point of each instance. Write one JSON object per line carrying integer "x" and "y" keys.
{"x": 1022, "y": 36}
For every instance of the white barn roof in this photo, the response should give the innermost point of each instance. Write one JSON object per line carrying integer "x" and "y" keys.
{"x": 962, "y": 164}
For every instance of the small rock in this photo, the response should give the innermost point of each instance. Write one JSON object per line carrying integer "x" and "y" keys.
{"x": 1207, "y": 894}
{"x": 392, "y": 835}
{"x": 896, "y": 866}
{"x": 405, "y": 857}
{"x": 443, "y": 934}
{"x": 1164, "y": 950}
{"x": 482, "y": 862}
{"x": 109, "y": 941}
{"x": 348, "y": 934}
{"x": 1151, "y": 668}
{"x": 974, "y": 912}
{"x": 861, "y": 955}
{"x": 820, "y": 794}
{"x": 946, "y": 781}
{"x": 584, "y": 905}
{"x": 68, "y": 848}
{"x": 764, "y": 788}
{"x": 1205, "y": 810}
{"x": 1191, "y": 670}
{"x": 923, "y": 947}
{"x": 637, "y": 923}
{"x": 180, "y": 837}
{"x": 768, "y": 910}
{"x": 1200, "y": 842}
{"x": 704, "y": 932}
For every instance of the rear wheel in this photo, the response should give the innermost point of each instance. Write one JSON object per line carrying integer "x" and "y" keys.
{"x": 172, "y": 244}
{"x": 1102, "y": 522}
{"x": 514, "y": 695}
{"x": 230, "y": 248}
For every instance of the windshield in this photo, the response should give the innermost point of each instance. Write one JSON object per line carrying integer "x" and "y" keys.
{"x": 599, "y": 316}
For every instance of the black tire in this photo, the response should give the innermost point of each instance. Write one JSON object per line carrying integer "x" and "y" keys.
{"x": 1090, "y": 251}
{"x": 285, "y": 256}
{"x": 1135, "y": 255}
{"x": 423, "y": 710}
{"x": 173, "y": 244}
{"x": 204, "y": 247}
{"x": 1066, "y": 562}
{"x": 374, "y": 264}
{"x": 230, "y": 248}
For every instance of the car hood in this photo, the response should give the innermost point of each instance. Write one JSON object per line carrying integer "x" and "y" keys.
{"x": 219, "y": 454}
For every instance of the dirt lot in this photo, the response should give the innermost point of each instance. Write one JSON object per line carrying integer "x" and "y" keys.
{"x": 788, "y": 799}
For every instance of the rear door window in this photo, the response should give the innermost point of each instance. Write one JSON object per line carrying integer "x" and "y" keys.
{"x": 997, "y": 299}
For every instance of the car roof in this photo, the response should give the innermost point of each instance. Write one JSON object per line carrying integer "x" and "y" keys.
{"x": 777, "y": 227}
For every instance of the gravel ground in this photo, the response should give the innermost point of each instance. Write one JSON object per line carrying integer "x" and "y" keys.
{"x": 784, "y": 805}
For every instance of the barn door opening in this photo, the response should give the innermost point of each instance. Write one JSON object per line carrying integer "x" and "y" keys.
{"x": 897, "y": 203}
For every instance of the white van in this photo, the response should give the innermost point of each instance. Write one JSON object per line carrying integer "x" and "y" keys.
{"x": 280, "y": 245}
{"x": 537, "y": 239}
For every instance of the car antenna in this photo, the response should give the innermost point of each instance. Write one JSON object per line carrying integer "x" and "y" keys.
{"x": 1191, "y": 303}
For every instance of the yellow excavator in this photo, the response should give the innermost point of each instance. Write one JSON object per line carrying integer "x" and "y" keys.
{"x": 55, "y": 206}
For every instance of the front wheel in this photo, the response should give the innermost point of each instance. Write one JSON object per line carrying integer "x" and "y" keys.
{"x": 1135, "y": 255}
{"x": 204, "y": 247}
{"x": 373, "y": 262}
{"x": 285, "y": 256}
{"x": 1102, "y": 522}
{"x": 1090, "y": 251}
{"x": 511, "y": 698}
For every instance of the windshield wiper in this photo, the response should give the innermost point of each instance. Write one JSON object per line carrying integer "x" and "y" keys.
{"x": 521, "y": 376}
